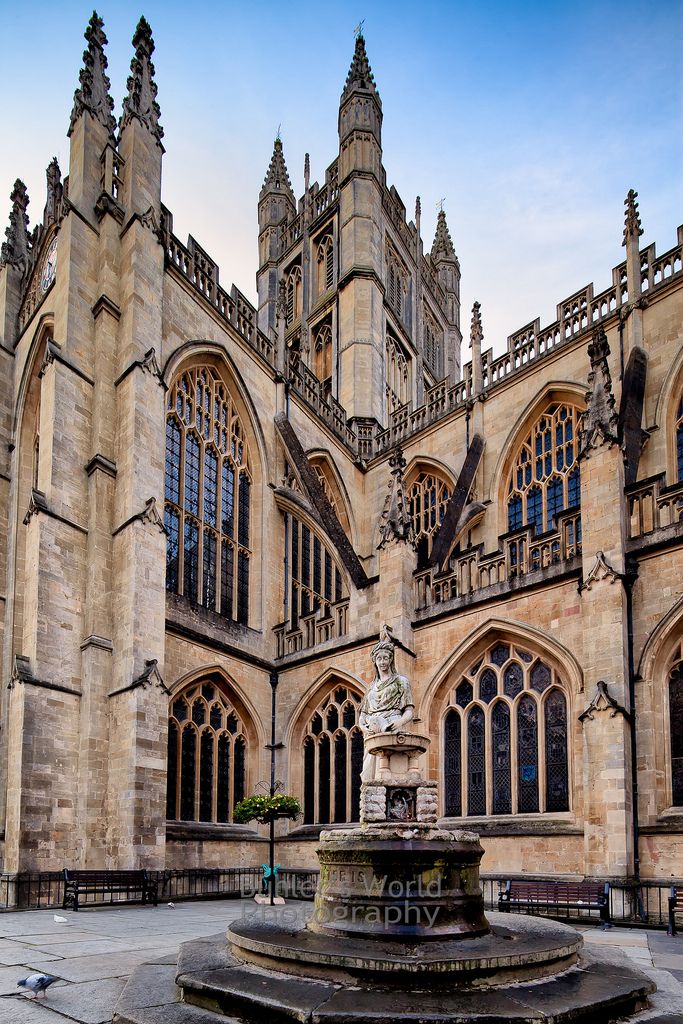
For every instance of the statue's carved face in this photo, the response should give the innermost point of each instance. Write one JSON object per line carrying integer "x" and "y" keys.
{"x": 383, "y": 661}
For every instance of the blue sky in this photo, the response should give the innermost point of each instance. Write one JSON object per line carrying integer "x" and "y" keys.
{"x": 532, "y": 120}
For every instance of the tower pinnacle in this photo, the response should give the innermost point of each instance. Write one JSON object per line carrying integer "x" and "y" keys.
{"x": 632, "y": 225}
{"x": 360, "y": 77}
{"x": 476, "y": 330}
{"x": 442, "y": 247}
{"x": 140, "y": 103}
{"x": 277, "y": 176}
{"x": 93, "y": 92}
{"x": 16, "y": 250}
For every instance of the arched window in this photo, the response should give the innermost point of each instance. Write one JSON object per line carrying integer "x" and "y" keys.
{"x": 327, "y": 481}
{"x": 207, "y": 750}
{"x": 293, "y": 295}
{"x": 433, "y": 345}
{"x": 314, "y": 582}
{"x": 322, "y": 356}
{"x": 333, "y": 759}
{"x": 396, "y": 278}
{"x": 428, "y": 496}
{"x": 397, "y": 376}
{"x": 679, "y": 441}
{"x": 545, "y": 474}
{"x": 507, "y": 722}
{"x": 676, "y": 732}
{"x": 207, "y": 510}
{"x": 325, "y": 265}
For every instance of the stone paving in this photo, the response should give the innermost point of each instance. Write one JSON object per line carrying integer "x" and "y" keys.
{"x": 94, "y": 952}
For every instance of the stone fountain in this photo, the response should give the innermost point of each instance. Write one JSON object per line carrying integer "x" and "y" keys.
{"x": 398, "y": 930}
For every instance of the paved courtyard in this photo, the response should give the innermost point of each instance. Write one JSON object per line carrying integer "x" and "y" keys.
{"x": 94, "y": 952}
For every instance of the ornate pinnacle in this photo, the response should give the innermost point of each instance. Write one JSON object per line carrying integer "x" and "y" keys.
{"x": 360, "y": 74}
{"x": 277, "y": 176}
{"x": 476, "y": 330}
{"x": 55, "y": 191}
{"x": 16, "y": 250}
{"x": 93, "y": 92}
{"x": 140, "y": 103}
{"x": 632, "y": 225}
{"x": 396, "y": 522}
{"x": 442, "y": 247}
{"x": 599, "y": 422}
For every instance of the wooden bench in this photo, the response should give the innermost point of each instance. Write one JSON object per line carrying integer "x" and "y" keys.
{"x": 675, "y": 907}
{"x": 129, "y": 886}
{"x": 556, "y": 897}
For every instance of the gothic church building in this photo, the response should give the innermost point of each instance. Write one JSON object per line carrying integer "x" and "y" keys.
{"x": 209, "y": 508}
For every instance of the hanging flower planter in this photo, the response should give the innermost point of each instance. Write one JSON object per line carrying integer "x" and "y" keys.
{"x": 266, "y": 808}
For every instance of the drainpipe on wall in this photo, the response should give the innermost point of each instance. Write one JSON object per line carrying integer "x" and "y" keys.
{"x": 630, "y": 578}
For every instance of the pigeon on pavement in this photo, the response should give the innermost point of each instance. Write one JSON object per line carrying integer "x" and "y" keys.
{"x": 37, "y": 983}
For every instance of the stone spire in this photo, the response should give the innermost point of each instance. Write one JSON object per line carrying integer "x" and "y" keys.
{"x": 93, "y": 92}
{"x": 476, "y": 338}
{"x": 140, "y": 104}
{"x": 277, "y": 176}
{"x": 442, "y": 246}
{"x": 16, "y": 251}
{"x": 396, "y": 522}
{"x": 55, "y": 191}
{"x": 600, "y": 422}
{"x": 632, "y": 225}
{"x": 360, "y": 77}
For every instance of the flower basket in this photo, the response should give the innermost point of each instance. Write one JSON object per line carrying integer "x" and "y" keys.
{"x": 266, "y": 808}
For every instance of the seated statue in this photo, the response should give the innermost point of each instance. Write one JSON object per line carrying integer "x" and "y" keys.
{"x": 388, "y": 705}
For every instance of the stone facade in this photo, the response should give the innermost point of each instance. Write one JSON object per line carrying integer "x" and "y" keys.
{"x": 250, "y": 541}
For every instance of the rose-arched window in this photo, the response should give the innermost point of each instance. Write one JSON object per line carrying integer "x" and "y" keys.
{"x": 333, "y": 759}
{"x": 428, "y": 496}
{"x": 505, "y": 737}
{"x": 545, "y": 476}
{"x": 207, "y": 510}
{"x": 207, "y": 750}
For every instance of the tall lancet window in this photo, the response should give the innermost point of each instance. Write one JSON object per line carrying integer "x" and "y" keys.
{"x": 397, "y": 371}
{"x": 333, "y": 759}
{"x": 207, "y": 511}
{"x": 679, "y": 441}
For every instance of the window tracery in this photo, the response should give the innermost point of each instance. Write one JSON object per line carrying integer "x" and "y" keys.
{"x": 322, "y": 356}
{"x": 313, "y": 580}
{"x": 325, "y": 265}
{"x": 397, "y": 376}
{"x": 207, "y": 507}
{"x": 676, "y": 732}
{"x": 545, "y": 477}
{"x": 433, "y": 345}
{"x": 333, "y": 759}
{"x": 428, "y": 497}
{"x": 207, "y": 751}
{"x": 293, "y": 295}
{"x": 396, "y": 282}
{"x": 506, "y": 747}
{"x": 679, "y": 441}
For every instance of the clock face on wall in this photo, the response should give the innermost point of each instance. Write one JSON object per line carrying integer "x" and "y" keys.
{"x": 49, "y": 266}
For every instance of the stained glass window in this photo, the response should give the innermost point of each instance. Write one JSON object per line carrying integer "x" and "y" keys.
{"x": 679, "y": 441}
{"x": 519, "y": 693}
{"x": 312, "y": 575}
{"x": 208, "y": 495}
{"x": 200, "y": 786}
{"x": 333, "y": 759}
{"x": 428, "y": 495}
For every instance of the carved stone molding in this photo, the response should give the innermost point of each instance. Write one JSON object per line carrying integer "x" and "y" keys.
{"x": 52, "y": 351}
{"x": 100, "y": 462}
{"x": 603, "y": 701}
{"x": 150, "y": 365}
{"x": 600, "y": 424}
{"x": 100, "y": 642}
{"x": 601, "y": 570}
{"x": 150, "y": 514}
{"x": 396, "y": 523}
{"x": 149, "y": 678}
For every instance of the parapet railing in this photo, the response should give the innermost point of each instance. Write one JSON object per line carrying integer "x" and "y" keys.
{"x": 653, "y": 506}
{"x": 523, "y": 553}
{"x": 329, "y": 622}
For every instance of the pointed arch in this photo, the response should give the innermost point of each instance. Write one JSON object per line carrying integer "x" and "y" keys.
{"x": 212, "y": 741}
{"x": 214, "y": 485}
{"x": 668, "y": 412}
{"x": 428, "y": 485}
{"x": 335, "y": 488}
{"x": 500, "y": 705}
{"x": 326, "y": 749}
{"x": 554, "y": 393}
